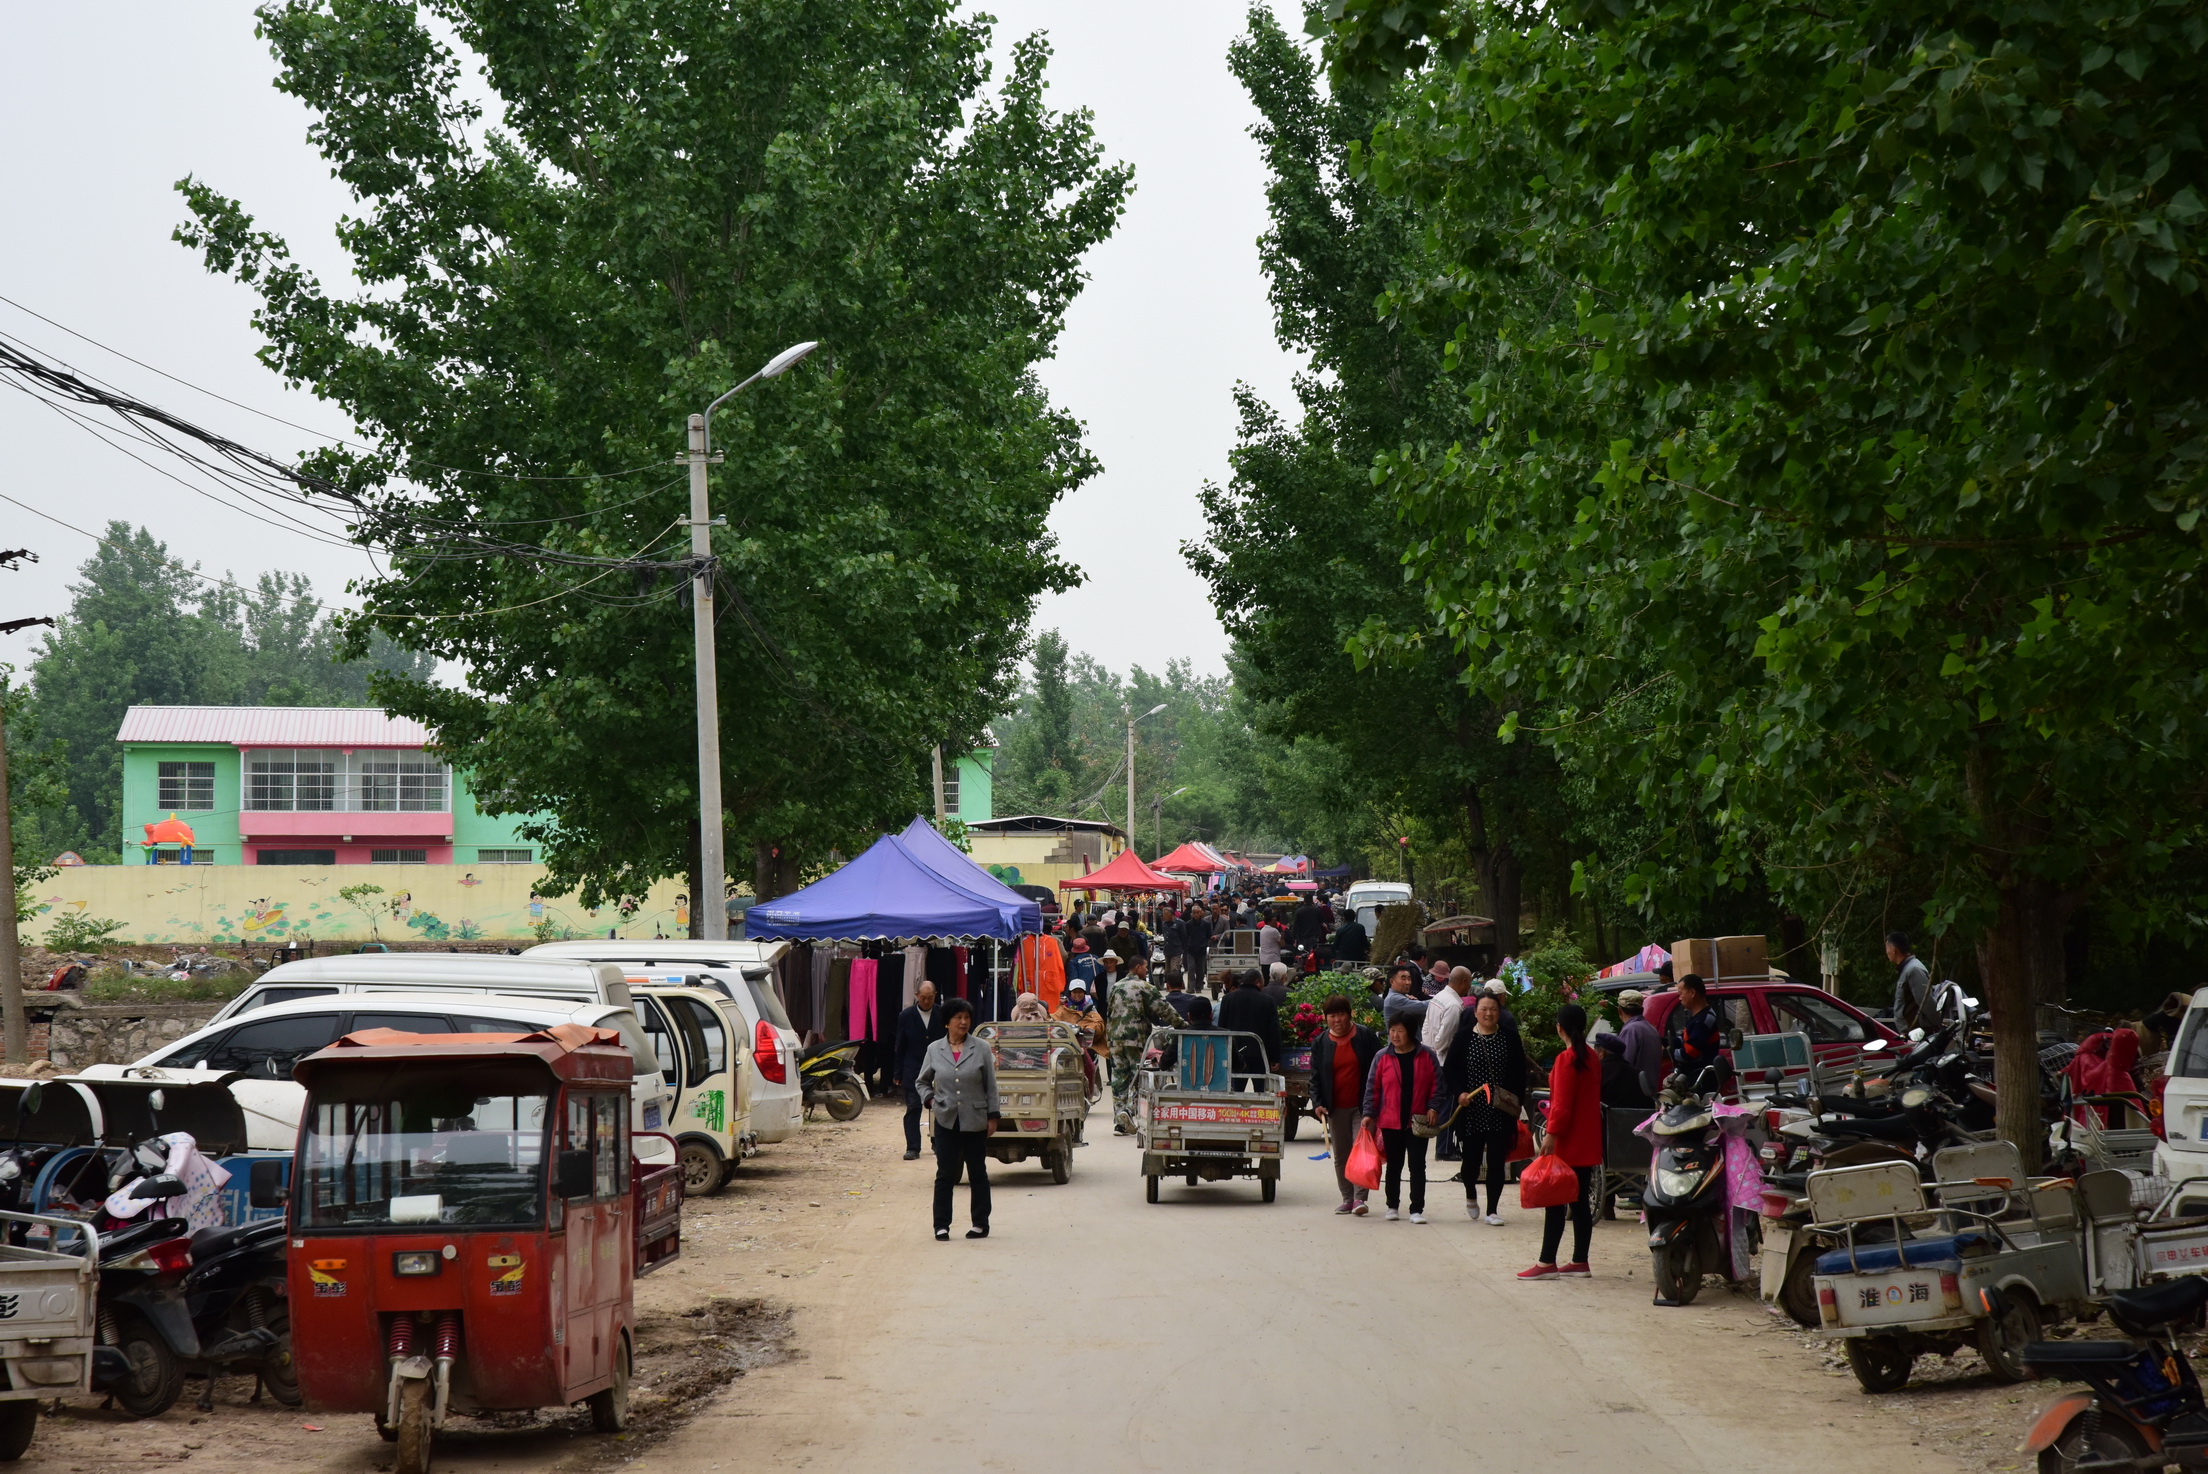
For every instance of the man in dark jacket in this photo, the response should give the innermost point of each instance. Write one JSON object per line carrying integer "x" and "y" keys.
{"x": 920, "y": 1025}
{"x": 1351, "y": 944}
{"x": 1340, "y": 1059}
{"x": 1195, "y": 929}
{"x": 1692, "y": 1034}
{"x": 1248, "y": 1009}
{"x": 1308, "y": 926}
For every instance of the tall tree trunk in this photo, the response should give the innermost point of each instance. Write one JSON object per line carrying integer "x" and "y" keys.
{"x": 695, "y": 871}
{"x": 1796, "y": 958}
{"x": 773, "y": 870}
{"x": 2021, "y": 958}
{"x": 1501, "y": 893}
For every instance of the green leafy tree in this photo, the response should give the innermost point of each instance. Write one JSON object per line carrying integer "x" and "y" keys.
{"x": 146, "y": 629}
{"x": 673, "y": 191}
{"x": 1837, "y": 379}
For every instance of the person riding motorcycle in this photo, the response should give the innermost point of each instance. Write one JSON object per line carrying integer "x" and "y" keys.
{"x": 1693, "y": 1034}
{"x": 1137, "y": 1008}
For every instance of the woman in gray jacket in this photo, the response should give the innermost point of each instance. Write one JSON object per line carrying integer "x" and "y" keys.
{"x": 958, "y": 1082}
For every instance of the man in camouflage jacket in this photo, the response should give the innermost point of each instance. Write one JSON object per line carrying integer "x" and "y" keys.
{"x": 1137, "y": 1007}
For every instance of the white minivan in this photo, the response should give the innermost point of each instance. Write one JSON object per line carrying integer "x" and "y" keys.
{"x": 1367, "y": 898}
{"x": 2182, "y": 1153}
{"x": 743, "y": 973}
{"x": 569, "y": 980}
{"x": 256, "y": 1052}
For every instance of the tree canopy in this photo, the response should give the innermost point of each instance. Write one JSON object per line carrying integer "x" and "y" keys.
{"x": 667, "y": 194}
{"x": 1838, "y": 462}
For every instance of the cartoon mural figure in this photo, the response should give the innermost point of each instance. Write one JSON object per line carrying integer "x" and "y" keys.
{"x": 170, "y": 831}
{"x": 536, "y": 907}
{"x": 682, "y": 911}
{"x": 265, "y": 915}
{"x": 469, "y": 879}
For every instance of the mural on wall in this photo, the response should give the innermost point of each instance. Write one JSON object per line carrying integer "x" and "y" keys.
{"x": 1009, "y": 874}
{"x": 343, "y": 903}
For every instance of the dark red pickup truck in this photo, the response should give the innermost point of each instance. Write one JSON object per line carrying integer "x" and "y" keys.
{"x": 1776, "y": 1006}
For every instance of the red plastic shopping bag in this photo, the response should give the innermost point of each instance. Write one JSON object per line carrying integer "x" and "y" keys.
{"x": 1547, "y": 1183}
{"x": 1363, "y": 1167}
{"x": 1521, "y": 1150}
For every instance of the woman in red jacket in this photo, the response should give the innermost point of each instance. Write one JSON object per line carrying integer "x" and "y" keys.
{"x": 1575, "y": 1137}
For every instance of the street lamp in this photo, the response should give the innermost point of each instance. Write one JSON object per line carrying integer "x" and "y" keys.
{"x": 712, "y": 842}
{"x": 1131, "y": 720}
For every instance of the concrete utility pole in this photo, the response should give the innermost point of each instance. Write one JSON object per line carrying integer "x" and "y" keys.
{"x": 710, "y": 905}
{"x": 940, "y": 811}
{"x": 1131, "y": 720}
{"x": 14, "y": 1031}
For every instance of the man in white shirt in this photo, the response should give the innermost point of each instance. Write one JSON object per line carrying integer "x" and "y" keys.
{"x": 1443, "y": 1014}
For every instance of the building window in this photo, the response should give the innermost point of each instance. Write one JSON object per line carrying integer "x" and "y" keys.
{"x": 370, "y": 782}
{"x": 187, "y": 785}
{"x": 398, "y": 857}
{"x": 503, "y": 857}
{"x": 950, "y": 790}
{"x": 295, "y": 857}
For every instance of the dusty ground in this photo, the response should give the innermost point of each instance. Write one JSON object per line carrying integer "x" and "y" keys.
{"x": 813, "y": 1322}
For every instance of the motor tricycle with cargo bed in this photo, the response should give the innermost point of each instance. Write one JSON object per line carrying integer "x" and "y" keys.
{"x": 465, "y": 1215}
{"x": 1198, "y": 1119}
{"x": 1044, "y": 1092}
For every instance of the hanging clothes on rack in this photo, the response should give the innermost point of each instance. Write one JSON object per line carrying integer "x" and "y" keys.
{"x": 961, "y": 958}
{"x": 864, "y": 993}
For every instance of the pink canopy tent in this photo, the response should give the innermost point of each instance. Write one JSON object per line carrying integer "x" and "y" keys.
{"x": 1189, "y": 859}
{"x": 1127, "y": 873}
{"x": 1648, "y": 959}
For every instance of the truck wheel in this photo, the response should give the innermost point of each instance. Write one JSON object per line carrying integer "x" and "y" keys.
{"x": 1150, "y": 1188}
{"x": 609, "y": 1410}
{"x": 155, "y": 1379}
{"x": 703, "y": 1174}
{"x": 2003, "y": 1337}
{"x": 1881, "y": 1365}
{"x": 1269, "y": 1188}
{"x": 1678, "y": 1271}
{"x": 414, "y": 1431}
{"x": 18, "y": 1421}
{"x": 1061, "y": 1164}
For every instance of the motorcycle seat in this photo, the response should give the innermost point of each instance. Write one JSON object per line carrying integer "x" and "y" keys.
{"x": 1921, "y": 1254}
{"x": 2158, "y": 1305}
{"x": 1873, "y": 1128}
{"x": 208, "y": 1243}
{"x": 2072, "y": 1353}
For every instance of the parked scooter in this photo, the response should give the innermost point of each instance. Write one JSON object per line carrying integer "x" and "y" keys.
{"x": 1685, "y": 1199}
{"x": 2145, "y": 1410}
{"x": 829, "y": 1076}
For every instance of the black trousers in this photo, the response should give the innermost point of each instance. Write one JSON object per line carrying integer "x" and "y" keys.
{"x": 955, "y": 1149}
{"x": 912, "y": 1119}
{"x": 1491, "y": 1149}
{"x": 1583, "y": 1224}
{"x": 1400, "y": 1145}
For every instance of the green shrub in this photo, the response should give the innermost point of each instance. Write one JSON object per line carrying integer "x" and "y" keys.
{"x": 74, "y": 931}
{"x": 113, "y": 985}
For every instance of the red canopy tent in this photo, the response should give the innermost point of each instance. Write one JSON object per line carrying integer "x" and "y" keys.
{"x": 1189, "y": 860}
{"x": 1127, "y": 873}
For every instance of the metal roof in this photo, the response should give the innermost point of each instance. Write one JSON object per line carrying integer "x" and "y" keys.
{"x": 1040, "y": 824}
{"x": 272, "y": 726}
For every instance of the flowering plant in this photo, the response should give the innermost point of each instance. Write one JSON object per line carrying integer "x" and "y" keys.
{"x": 1306, "y": 1022}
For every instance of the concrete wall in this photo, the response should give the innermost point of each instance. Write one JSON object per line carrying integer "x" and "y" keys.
{"x": 1041, "y": 859}
{"x": 200, "y": 904}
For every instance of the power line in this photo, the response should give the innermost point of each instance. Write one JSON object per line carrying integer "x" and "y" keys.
{"x": 308, "y": 430}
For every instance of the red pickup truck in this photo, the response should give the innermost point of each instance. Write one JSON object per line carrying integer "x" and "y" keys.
{"x": 1776, "y": 1006}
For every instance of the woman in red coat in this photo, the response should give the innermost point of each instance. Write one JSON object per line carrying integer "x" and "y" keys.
{"x": 1575, "y": 1137}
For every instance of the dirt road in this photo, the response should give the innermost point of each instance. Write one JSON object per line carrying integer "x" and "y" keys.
{"x": 814, "y": 1323}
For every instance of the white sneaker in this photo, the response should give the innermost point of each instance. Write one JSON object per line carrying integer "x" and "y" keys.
{"x": 1472, "y": 1212}
{"x": 1393, "y": 1215}
{"x": 1418, "y": 1218}
{"x": 1495, "y": 1220}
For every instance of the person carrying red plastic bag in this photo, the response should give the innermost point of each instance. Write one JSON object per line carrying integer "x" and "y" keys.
{"x": 1557, "y": 1179}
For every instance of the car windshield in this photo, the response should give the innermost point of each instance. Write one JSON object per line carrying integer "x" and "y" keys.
{"x": 428, "y": 1151}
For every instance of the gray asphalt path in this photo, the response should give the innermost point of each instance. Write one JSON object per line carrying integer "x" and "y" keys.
{"x": 1094, "y": 1331}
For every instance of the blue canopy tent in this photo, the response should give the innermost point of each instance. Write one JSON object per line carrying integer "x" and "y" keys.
{"x": 890, "y": 892}
{"x": 959, "y": 868}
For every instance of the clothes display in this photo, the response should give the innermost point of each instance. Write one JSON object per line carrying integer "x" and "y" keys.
{"x": 860, "y": 1021}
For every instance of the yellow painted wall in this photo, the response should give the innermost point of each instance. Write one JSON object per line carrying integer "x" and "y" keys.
{"x": 1002, "y": 854}
{"x": 277, "y": 903}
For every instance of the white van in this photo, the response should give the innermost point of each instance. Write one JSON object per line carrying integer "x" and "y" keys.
{"x": 2183, "y": 1151}
{"x": 256, "y": 1053}
{"x": 1367, "y": 898}
{"x": 566, "y": 980}
{"x": 743, "y": 973}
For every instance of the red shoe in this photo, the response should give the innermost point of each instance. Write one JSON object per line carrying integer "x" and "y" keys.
{"x": 1577, "y": 1271}
{"x": 1539, "y": 1272}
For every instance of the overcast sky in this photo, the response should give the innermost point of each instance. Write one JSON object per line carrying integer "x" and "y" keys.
{"x": 105, "y": 106}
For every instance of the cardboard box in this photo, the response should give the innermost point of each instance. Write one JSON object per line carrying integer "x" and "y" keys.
{"x": 1712, "y": 958}
{"x": 1742, "y": 957}
{"x": 1697, "y": 955}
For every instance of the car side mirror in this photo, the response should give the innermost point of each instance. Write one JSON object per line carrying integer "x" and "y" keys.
{"x": 573, "y": 1178}
{"x": 1875, "y": 1046}
{"x": 267, "y": 1186}
{"x": 157, "y": 1101}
